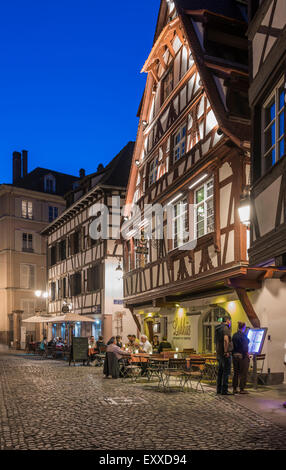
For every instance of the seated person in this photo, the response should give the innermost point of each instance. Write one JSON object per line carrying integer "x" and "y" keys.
{"x": 136, "y": 340}
{"x": 155, "y": 343}
{"x": 164, "y": 344}
{"x": 92, "y": 342}
{"x": 111, "y": 363}
{"x": 100, "y": 344}
{"x": 60, "y": 342}
{"x": 119, "y": 341}
{"x": 91, "y": 347}
{"x": 131, "y": 346}
{"x": 145, "y": 345}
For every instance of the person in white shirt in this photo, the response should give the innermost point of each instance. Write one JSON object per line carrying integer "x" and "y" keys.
{"x": 145, "y": 345}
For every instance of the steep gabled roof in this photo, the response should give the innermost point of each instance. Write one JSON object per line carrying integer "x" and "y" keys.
{"x": 114, "y": 174}
{"x": 228, "y": 8}
{"x": 222, "y": 65}
{"x": 34, "y": 181}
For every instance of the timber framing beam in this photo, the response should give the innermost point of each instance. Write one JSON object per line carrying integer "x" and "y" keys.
{"x": 244, "y": 283}
{"x": 248, "y": 307}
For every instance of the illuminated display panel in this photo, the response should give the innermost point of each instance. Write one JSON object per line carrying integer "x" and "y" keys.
{"x": 256, "y": 338}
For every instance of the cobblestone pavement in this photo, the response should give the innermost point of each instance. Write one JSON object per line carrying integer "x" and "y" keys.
{"x": 46, "y": 404}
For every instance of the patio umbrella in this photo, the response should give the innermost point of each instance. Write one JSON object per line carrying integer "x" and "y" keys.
{"x": 36, "y": 319}
{"x": 70, "y": 318}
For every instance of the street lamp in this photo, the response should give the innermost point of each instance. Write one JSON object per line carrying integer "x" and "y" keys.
{"x": 43, "y": 294}
{"x": 244, "y": 207}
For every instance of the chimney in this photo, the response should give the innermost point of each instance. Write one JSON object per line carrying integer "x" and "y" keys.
{"x": 24, "y": 163}
{"x": 81, "y": 173}
{"x": 16, "y": 166}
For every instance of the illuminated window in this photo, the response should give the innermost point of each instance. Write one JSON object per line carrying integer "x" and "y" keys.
{"x": 27, "y": 209}
{"x": 179, "y": 143}
{"x": 274, "y": 127}
{"x": 204, "y": 209}
{"x": 180, "y": 223}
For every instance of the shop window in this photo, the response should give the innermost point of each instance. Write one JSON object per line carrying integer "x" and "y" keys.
{"x": 210, "y": 321}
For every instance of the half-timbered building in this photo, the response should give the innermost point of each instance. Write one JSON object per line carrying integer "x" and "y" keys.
{"x": 84, "y": 271}
{"x": 192, "y": 150}
{"x": 267, "y": 40}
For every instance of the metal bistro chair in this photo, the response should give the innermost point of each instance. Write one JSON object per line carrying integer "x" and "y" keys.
{"x": 196, "y": 372}
{"x": 175, "y": 370}
{"x": 129, "y": 370}
{"x": 154, "y": 367}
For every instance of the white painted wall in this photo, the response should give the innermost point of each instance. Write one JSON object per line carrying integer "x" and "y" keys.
{"x": 270, "y": 306}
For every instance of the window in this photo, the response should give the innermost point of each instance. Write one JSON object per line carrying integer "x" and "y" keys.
{"x": 274, "y": 127}
{"x": 27, "y": 242}
{"x": 27, "y": 209}
{"x": 53, "y": 255}
{"x": 63, "y": 250}
{"x": 167, "y": 84}
{"x": 153, "y": 171}
{"x": 94, "y": 278}
{"x": 27, "y": 276}
{"x": 180, "y": 223}
{"x": 204, "y": 209}
{"x": 53, "y": 291}
{"x": 49, "y": 184}
{"x": 179, "y": 143}
{"x": 76, "y": 284}
{"x": 75, "y": 242}
{"x": 53, "y": 213}
{"x": 211, "y": 320}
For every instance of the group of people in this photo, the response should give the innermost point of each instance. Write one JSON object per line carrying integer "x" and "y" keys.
{"x": 134, "y": 345}
{"x": 231, "y": 349}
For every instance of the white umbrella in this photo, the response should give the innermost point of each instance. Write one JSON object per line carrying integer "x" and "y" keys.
{"x": 37, "y": 319}
{"x": 70, "y": 318}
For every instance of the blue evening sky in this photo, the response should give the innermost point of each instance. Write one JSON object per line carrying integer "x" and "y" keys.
{"x": 70, "y": 82}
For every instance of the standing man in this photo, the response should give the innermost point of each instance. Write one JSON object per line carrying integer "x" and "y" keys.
{"x": 224, "y": 347}
{"x": 240, "y": 358}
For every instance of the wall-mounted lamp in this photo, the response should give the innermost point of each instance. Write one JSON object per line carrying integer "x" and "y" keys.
{"x": 244, "y": 207}
{"x": 137, "y": 162}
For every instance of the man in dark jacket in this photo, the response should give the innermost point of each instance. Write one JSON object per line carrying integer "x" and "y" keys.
{"x": 223, "y": 349}
{"x": 240, "y": 358}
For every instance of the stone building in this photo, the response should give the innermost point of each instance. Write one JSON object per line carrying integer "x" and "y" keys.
{"x": 26, "y": 206}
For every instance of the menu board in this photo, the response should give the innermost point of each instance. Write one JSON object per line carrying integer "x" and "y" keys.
{"x": 256, "y": 338}
{"x": 79, "y": 349}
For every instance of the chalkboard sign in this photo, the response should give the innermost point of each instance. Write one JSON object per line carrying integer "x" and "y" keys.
{"x": 79, "y": 349}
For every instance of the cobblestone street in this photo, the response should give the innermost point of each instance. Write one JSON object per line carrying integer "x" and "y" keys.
{"x": 48, "y": 405}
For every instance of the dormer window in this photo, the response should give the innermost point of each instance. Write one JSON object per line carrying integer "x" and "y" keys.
{"x": 50, "y": 184}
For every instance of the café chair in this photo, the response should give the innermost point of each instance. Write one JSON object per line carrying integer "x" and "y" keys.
{"x": 196, "y": 372}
